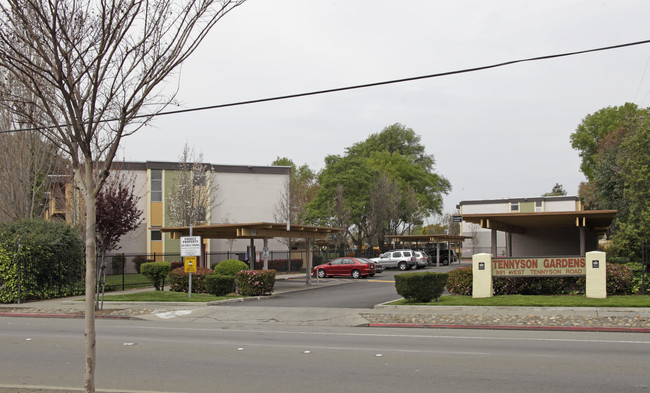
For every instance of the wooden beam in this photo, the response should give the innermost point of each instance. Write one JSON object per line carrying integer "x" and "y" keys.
{"x": 261, "y": 233}
{"x": 503, "y": 227}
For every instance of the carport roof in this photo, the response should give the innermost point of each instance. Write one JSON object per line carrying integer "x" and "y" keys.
{"x": 598, "y": 220}
{"x": 427, "y": 238}
{"x": 258, "y": 230}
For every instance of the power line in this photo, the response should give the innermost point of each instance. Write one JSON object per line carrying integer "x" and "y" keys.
{"x": 374, "y": 84}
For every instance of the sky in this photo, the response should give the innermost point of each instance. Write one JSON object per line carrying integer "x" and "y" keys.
{"x": 499, "y": 133}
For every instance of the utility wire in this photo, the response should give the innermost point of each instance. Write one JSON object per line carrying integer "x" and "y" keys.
{"x": 374, "y": 84}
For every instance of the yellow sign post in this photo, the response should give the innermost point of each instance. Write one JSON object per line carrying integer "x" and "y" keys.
{"x": 190, "y": 264}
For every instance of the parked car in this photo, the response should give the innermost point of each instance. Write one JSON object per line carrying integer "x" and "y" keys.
{"x": 347, "y": 266}
{"x": 402, "y": 259}
{"x": 378, "y": 268}
{"x": 421, "y": 259}
{"x": 444, "y": 256}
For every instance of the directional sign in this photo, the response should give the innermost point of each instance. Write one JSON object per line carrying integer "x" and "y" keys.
{"x": 190, "y": 246}
{"x": 190, "y": 264}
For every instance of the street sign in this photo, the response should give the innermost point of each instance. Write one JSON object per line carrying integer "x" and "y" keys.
{"x": 190, "y": 264}
{"x": 456, "y": 218}
{"x": 190, "y": 246}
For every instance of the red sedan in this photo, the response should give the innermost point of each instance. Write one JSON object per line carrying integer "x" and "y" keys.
{"x": 347, "y": 266}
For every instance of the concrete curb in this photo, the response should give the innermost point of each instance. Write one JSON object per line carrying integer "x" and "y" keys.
{"x": 509, "y": 327}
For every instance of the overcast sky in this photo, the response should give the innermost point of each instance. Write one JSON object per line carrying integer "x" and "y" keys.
{"x": 498, "y": 133}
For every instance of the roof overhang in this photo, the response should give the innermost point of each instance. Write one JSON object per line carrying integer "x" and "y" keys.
{"x": 596, "y": 220}
{"x": 427, "y": 238}
{"x": 259, "y": 230}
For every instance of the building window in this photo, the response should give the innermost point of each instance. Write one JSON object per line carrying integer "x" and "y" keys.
{"x": 514, "y": 206}
{"x": 156, "y": 185}
{"x": 539, "y": 206}
{"x": 156, "y": 235}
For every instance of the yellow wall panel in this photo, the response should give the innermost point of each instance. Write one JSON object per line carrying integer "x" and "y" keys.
{"x": 156, "y": 214}
{"x": 157, "y": 248}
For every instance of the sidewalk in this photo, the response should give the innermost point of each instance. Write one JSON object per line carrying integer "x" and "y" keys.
{"x": 525, "y": 318}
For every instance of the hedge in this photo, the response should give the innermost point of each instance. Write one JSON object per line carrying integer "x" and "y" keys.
{"x": 179, "y": 280}
{"x": 620, "y": 280}
{"x": 230, "y": 267}
{"x": 255, "y": 282}
{"x": 421, "y": 287}
{"x": 51, "y": 260}
{"x": 296, "y": 265}
{"x": 156, "y": 272}
{"x": 219, "y": 285}
{"x": 460, "y": 281}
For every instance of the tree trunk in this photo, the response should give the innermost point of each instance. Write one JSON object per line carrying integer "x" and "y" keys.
{"x": 91, "y": 271}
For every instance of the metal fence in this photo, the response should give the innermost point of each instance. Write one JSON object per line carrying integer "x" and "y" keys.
{"x": 122, "y": 270}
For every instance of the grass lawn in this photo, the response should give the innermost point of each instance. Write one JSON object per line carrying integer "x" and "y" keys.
{"x": 165, "y": 296}
{"x": 131, "y": 280}
{"x": 537, "y": 301}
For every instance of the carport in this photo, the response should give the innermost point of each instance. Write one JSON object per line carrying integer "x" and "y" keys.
{"x": 259, "y": 230}
{"x": 429, "y": 239}
{"x": 546, "y": 233}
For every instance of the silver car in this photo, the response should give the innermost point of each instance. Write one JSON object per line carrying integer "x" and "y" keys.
{"x": 402, "y": 259}
{"x": 421, "y": 258}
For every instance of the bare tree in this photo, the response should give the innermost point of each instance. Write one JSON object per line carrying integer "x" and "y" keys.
{"x": 296, "y": 194}
{"x": 27, "y": 161}
{"x": 193, "y": 194}
{"x": 94, "y": 69}
{"x": 285, "y": 211}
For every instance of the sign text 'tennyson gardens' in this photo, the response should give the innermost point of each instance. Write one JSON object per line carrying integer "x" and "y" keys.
{"x": 529, "y": 267}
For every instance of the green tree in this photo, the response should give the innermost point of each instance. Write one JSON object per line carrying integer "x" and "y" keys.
{"x": 614, "y": 146}
{"x": 393, "y": 159}
{"x": 557, "y": 190}
{"x": 597, "y": 126}
{"x": 345, "y": 187}
{"x": 632, "y": 224}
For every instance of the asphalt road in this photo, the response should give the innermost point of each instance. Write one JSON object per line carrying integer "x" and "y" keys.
{"x": 180, "y": 357}
{"x": 347, "y": 293}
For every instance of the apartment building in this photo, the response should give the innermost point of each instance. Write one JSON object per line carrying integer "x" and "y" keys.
{"x": 536, "y": 226}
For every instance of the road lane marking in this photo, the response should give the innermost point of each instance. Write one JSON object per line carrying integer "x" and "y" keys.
{"x": 393, "y": 335}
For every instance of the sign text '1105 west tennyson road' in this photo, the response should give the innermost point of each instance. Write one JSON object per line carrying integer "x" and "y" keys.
{"x": 530, "y": 267}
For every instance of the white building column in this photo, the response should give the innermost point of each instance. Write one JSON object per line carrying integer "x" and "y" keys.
{"x": 596, "y": 275}
{"x": 482, "y": 276}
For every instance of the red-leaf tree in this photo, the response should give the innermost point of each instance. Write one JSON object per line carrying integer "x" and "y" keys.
{"x": 117, "y": 212}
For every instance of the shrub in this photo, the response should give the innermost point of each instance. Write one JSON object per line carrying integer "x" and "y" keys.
{"x": 229, "y": 267}
{"x": 613, "y": 259}
{"x": 156, "y": 272}
{"x": 118, "y": 263}
{"x": 537, "y": 285}
{"x": 459, "y": 281}
{"x": 176, "y": 265}
{"x": 619, "y": 279}
{"x": 295, "y": 265}
{"x": 51, "y": 260}
{"x": 179, "y": 280}
{"x": 637, "y": 277}
{"x": 219, "y": 285}
{"x": 139, "y": 260}
{"x": 421, "y": 287}
{"x": 255, "y": 282}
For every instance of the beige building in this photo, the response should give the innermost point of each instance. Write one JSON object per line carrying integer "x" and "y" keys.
{"x": 538, "y": 226}
{"x": 244, "y": 194}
